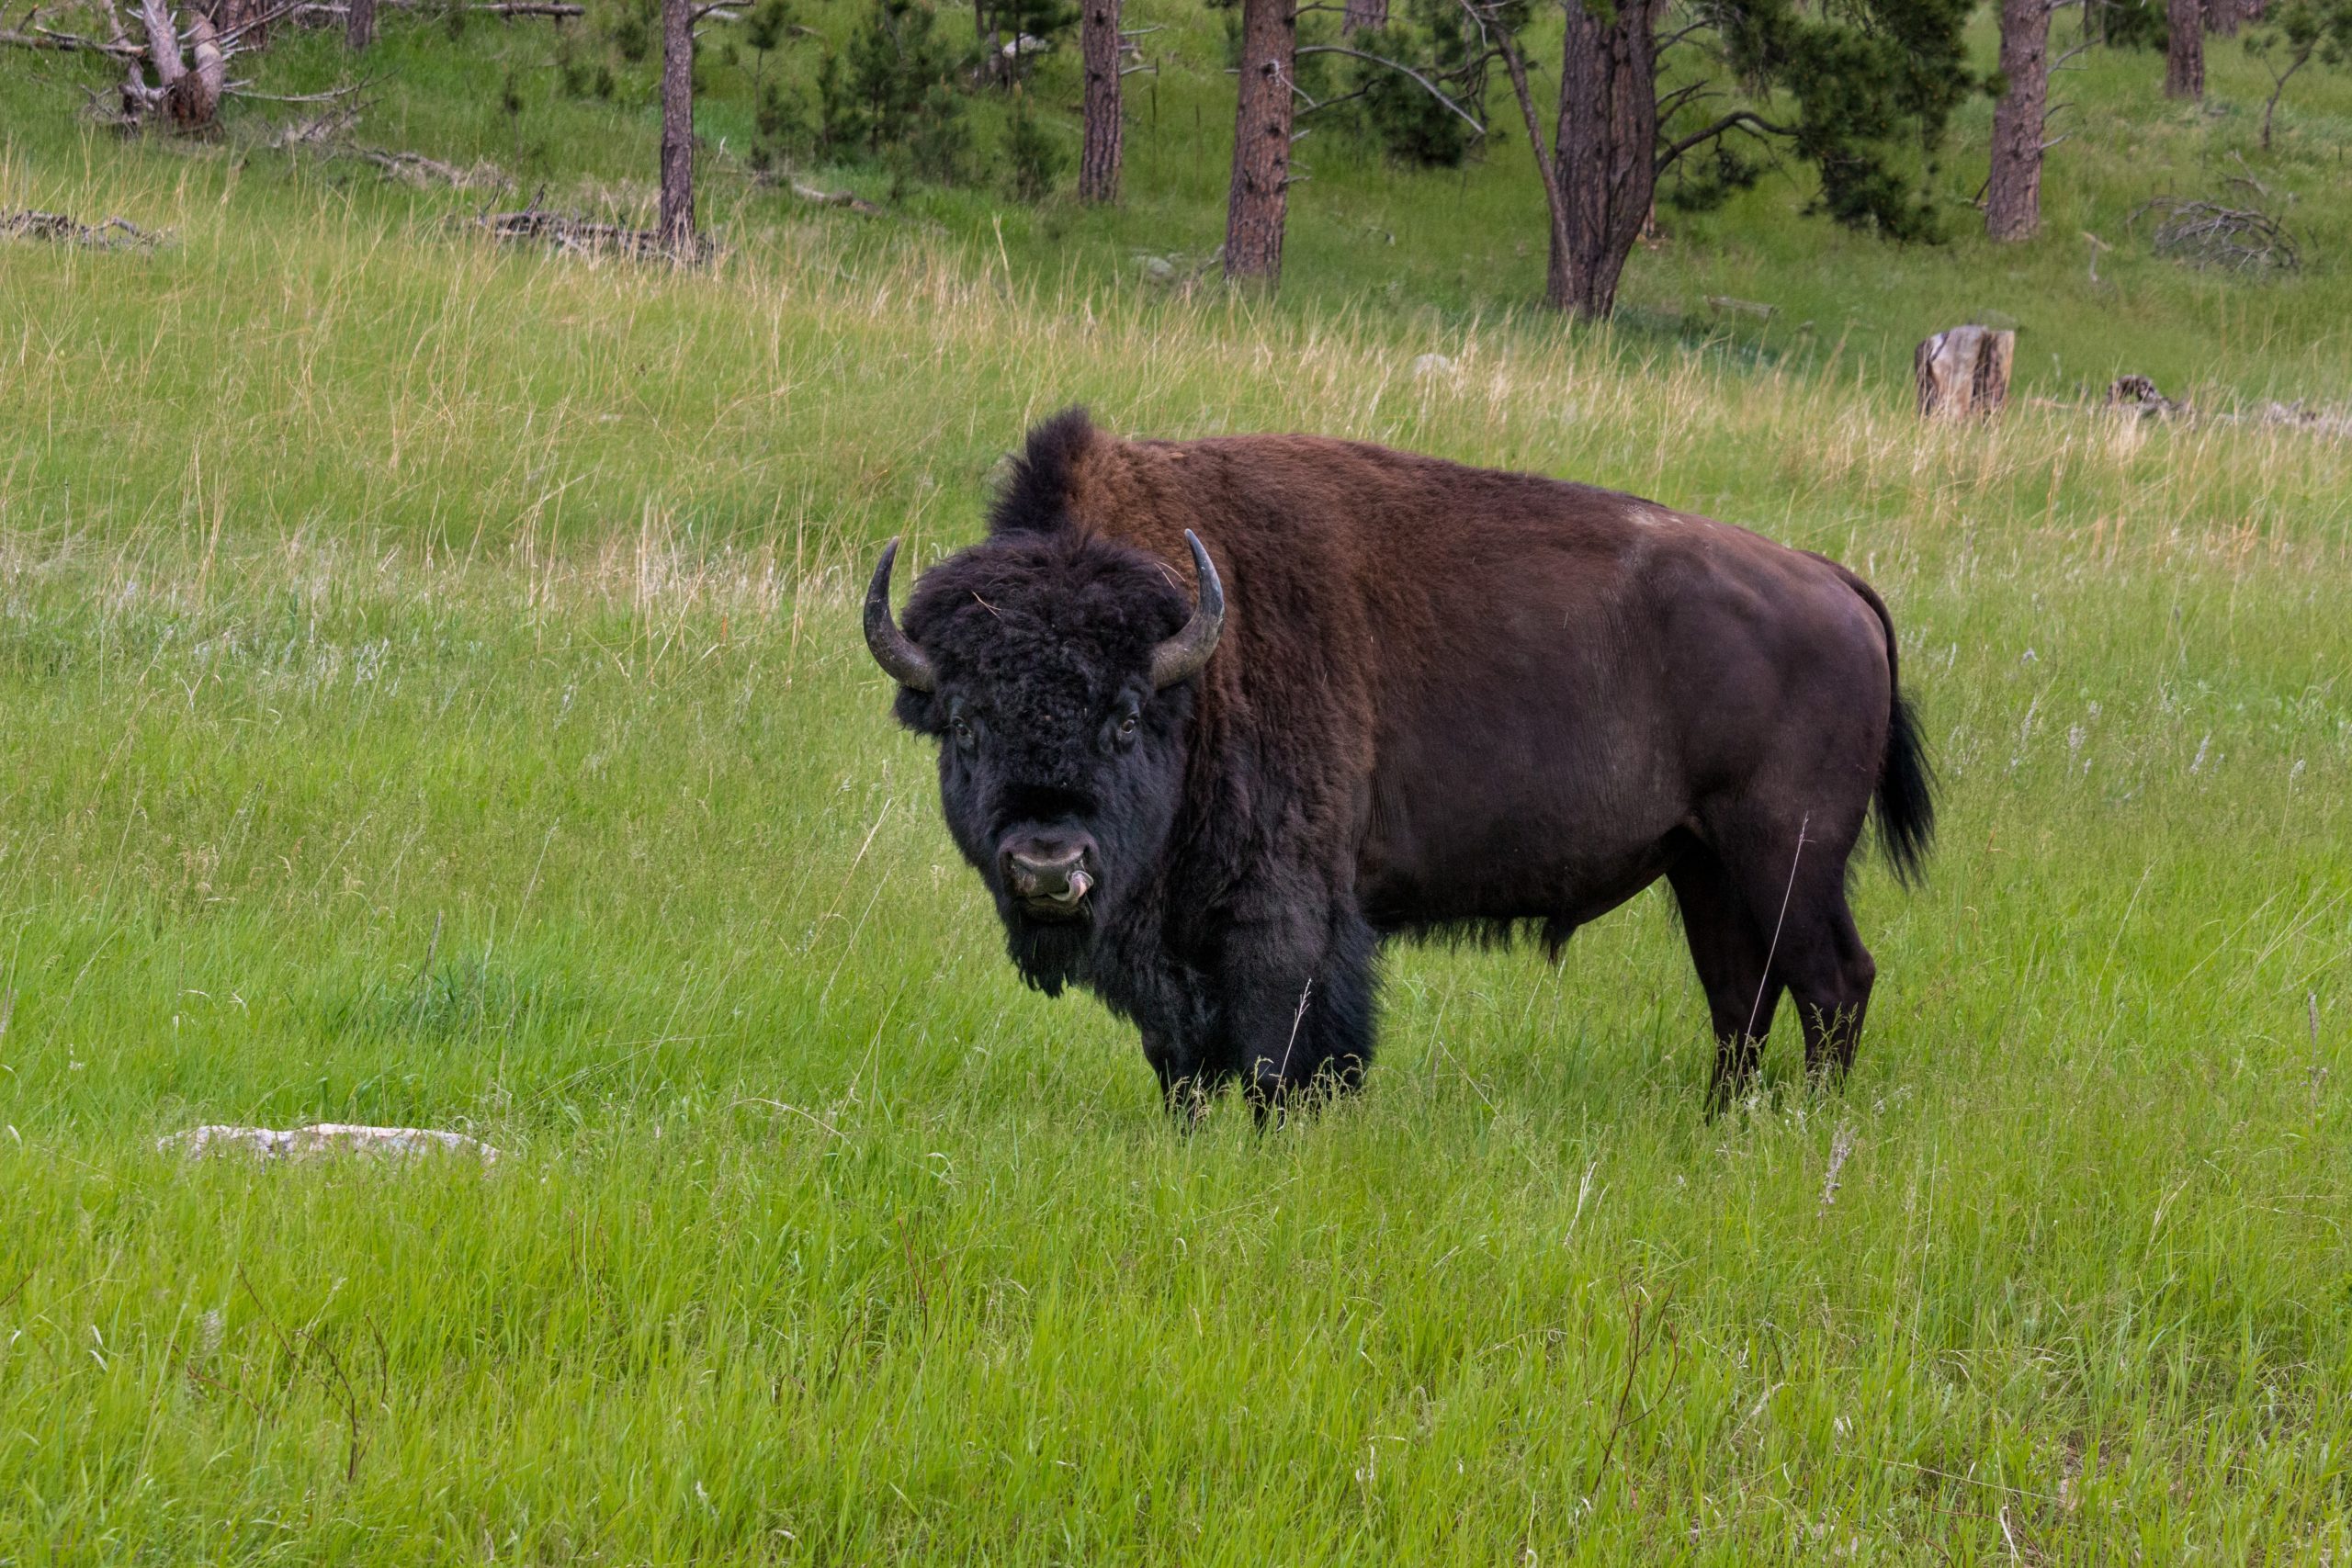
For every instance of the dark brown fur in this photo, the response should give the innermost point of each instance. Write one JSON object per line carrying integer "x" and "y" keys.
{"x": 1455, "y": 699}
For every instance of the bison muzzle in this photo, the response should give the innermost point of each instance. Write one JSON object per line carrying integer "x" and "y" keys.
{"x": 1391, "y": 695}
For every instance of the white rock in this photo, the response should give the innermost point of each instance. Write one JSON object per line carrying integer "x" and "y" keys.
{"x": 321, "y": 1138}
{"x": 1432, "y": 364}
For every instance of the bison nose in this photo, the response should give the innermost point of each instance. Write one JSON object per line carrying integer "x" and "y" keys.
{"x": 1052, "y": 870}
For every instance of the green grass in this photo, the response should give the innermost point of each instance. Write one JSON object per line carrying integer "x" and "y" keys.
{"x": 435, "y": 697}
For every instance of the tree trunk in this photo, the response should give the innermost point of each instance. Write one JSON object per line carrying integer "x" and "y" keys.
{"x": 1364, "y": 15}
{"x": 2185, "y": 56}
{"x": 675, "y": 227}
{"x": 1259, "y": 198}
{"x": 2013, "y": 195}
{"x": 1606, "y": 152}
{"x": 360, "y": 24}
{"x": 1098, "y": 161}
{"x": 2224, "y": 17}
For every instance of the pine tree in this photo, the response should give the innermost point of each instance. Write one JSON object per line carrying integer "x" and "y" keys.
{"x": 2013, "y": 191}
{"x": 894, "y": 92}
{"x": 1874, "y": 84}
{"x": 675, "y": 225}
{"x": 1100, "y": 158}
{"x": 2292, "y": 34}
{"x": 1258, "y": 202}
{"x": 2185, "y": 50}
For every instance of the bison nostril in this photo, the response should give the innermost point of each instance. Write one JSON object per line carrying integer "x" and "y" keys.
{"x": 1057, "y": 875}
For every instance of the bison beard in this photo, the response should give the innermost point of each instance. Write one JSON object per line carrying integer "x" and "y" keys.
{"x": 1426, "y": 700}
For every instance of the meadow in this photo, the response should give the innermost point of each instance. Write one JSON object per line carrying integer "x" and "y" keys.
{"x": 434, "y": 697}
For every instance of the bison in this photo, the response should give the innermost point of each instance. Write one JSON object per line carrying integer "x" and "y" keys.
{"x": 1216, "y": 717}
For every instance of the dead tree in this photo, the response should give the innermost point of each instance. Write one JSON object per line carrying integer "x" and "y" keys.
{"x": 175, "y": 78}
{"x": 2013, "y": 194}
{"x": 675, "y": 224}
{"x": 360, "y": 24}
{"x": 1259, "y": 201}
{"x": 2185, "y": 50}
{"x": 1098, "y": 161}
{"x": 185, "y": 91}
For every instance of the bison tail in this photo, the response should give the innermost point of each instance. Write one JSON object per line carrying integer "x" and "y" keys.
{"x": 1905, "y": 798}
{"x": 1905, "y": 801}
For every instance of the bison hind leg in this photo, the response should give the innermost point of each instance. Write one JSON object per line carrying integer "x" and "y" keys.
{"x": 1829, "y": 976}
{"x": 1797, "y": 933}
{"x": 1730, "y": 954}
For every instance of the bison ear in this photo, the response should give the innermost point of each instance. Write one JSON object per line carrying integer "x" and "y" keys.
{"x": 892, "y": 649}
{"x": 1181, "y": 656}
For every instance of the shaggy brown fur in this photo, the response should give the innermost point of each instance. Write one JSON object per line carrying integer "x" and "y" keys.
{"x": 1444, "y": 699}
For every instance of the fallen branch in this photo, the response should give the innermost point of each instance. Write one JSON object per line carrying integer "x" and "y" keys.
{"x": 2136, "y": 397}
{"x": 331, "y": 96}
{"x": 2139, "y": 394}
{"x": 416, "y": 169}
{"x": 68, "y": 43}
{"x": 580, "y": 236}
{"x": 111, "y": 234}
{"x": 317, "y": 131}
{"x": 2206, "y": 233}
{"x": 835, "y": 199}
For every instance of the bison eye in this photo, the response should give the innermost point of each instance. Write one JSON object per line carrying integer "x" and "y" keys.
{"x": 963, "y": 729}
{"x": 1128, "y": 727}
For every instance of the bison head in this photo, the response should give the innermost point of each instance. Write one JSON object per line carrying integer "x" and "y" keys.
{"x": 1055, "y": 671}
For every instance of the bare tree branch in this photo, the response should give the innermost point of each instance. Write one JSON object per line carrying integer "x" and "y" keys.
{"x": 68, "y": 43}
{"x": 1738, "y": 119}
{"x": 1669, "y": 104}
{"x": 1401, "y": 69}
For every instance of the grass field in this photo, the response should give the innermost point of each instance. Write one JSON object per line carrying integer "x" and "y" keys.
{"x": 434, "y": 697}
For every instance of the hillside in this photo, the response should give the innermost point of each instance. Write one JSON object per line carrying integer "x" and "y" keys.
{"x": 1430, "y": 251}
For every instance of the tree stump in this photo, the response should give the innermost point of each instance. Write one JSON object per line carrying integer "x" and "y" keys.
{"x": 1964, "y": 371}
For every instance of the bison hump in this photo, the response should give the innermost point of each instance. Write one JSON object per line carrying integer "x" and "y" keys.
{"x": 1036, "y": 495}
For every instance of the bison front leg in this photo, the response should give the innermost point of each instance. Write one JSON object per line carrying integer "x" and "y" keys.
{"x": 1297, "y": 1007}
{"x": 1181, "y": 1084}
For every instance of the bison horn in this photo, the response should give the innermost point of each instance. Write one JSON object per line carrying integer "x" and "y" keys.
{"x": 892, "y": 649}
{"x": 1181, "y": 656}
